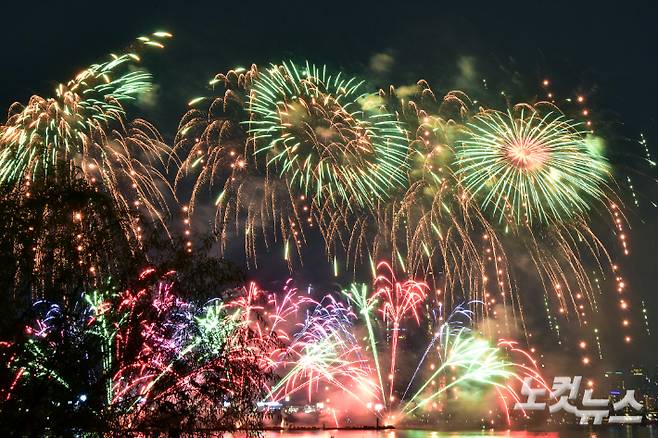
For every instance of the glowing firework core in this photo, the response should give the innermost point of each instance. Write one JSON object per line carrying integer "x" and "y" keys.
{"x": 330, "y": 129}
{"x": 526, "y": 153}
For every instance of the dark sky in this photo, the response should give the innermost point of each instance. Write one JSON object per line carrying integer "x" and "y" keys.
{"x": 611, "y": 46}
{"x": 608, "y": 52}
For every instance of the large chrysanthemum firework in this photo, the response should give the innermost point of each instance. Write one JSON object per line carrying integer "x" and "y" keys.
{"x": 530, "y": 167}
{"x": 83, "y": 132}
{"x": 315, "y": 133}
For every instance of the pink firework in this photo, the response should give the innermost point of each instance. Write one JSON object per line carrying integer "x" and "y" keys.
{"x": 400, "y": 300}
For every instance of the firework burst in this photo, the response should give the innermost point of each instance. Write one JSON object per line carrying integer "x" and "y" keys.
{"x": 83, "y": 132}
{"x": 152, "y": 348}
{"x": 311, "y": 153}
{"x": 527, "y": 166}
{"x": 477, "y": 184}
{"x": 314, "y": 131}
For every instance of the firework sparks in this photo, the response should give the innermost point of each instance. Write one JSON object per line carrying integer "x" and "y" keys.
{"x": 531, "y": 167}
{"x": 312, "y": 128}
{"x": 83, "y": 132}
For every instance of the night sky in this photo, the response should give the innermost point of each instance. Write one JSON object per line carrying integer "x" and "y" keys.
{"x": 606, "y": 52}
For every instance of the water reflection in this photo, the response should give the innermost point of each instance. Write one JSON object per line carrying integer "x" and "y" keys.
{"x": 607, "y": 432}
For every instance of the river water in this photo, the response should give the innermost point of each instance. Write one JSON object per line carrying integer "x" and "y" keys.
{"x": 602, "y": 432}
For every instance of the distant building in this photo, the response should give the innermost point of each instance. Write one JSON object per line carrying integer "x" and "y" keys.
{"x": 638, "y": 379}
{"x": 615, "y": 384}
{"x": 645, "y": 382}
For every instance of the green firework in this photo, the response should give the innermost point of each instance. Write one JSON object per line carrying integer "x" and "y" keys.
{"x": 317, "y": 131}
{"x": 526, "y": 167}
{"x": 48, "y": 136}
{"x": 473, "y": 360}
